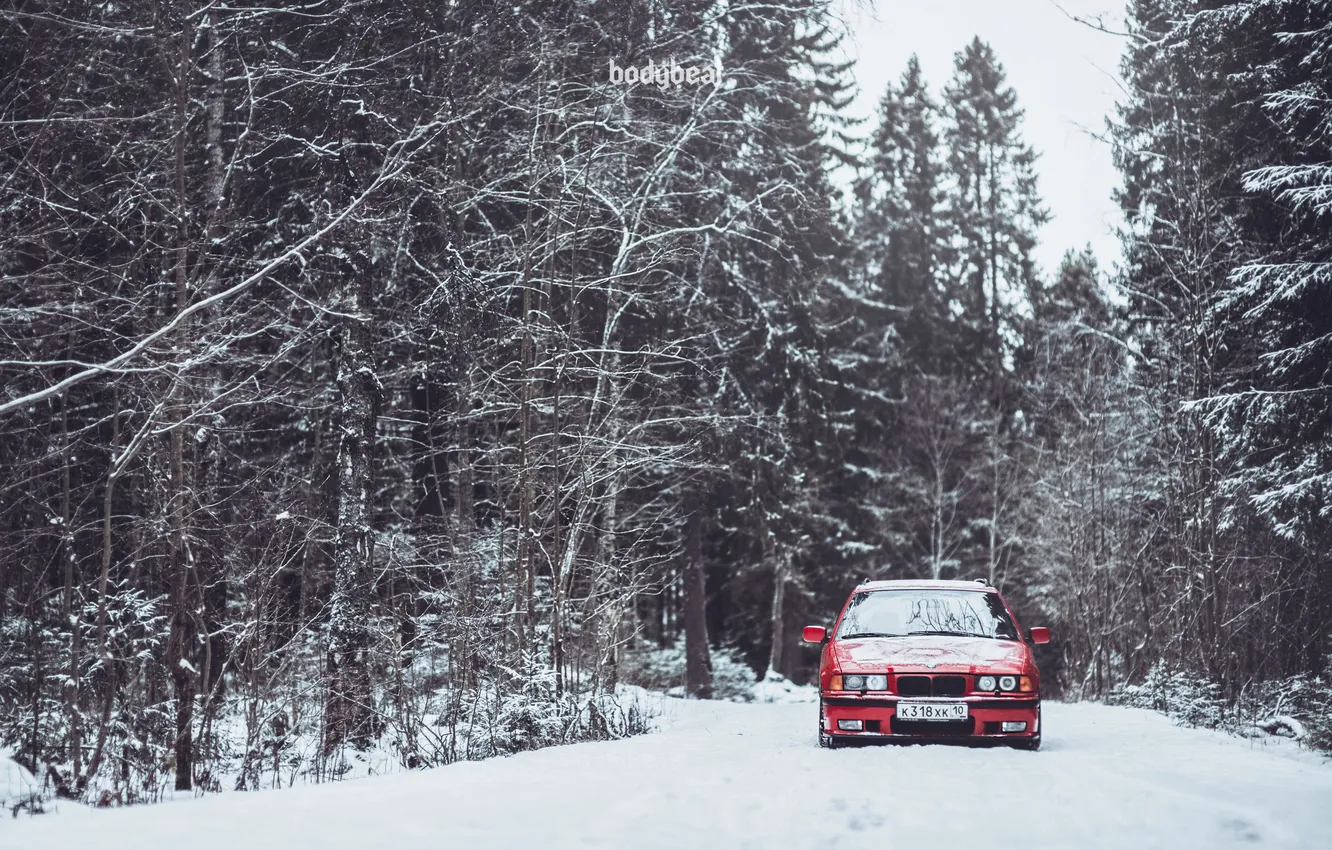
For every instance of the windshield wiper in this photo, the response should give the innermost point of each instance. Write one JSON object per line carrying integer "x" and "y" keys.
{"x": 868, "y": 635}
{"x": 946, "y": 633}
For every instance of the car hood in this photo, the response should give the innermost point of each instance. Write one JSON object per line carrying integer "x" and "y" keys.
{"x": 930, "y": 653}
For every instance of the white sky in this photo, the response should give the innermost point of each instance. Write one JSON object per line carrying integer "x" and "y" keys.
{"x": 1066, "y": 78}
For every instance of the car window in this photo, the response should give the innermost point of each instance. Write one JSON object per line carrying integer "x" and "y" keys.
{"x": 893, "y": 613}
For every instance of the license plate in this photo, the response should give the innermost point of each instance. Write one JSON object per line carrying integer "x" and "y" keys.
{"x": 932, "y": 710}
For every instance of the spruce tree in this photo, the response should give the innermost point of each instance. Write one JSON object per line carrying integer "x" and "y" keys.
{"x": 994, "y": 210}
{"x": 897, "y": 226}
{"x": 994, "y": 215}
{"x": 786, "y": 104}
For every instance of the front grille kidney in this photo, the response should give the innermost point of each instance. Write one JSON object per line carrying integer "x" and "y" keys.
{"x": 913, "y": 686}
{"x": 950, "y": 686}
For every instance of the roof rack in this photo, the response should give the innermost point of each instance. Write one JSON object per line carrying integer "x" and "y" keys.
{"x": 982, "y": 582}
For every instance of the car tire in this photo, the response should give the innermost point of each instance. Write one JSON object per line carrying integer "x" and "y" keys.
{"x": 826, "y": 741}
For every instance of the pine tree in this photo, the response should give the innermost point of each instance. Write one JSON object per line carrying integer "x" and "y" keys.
{"x": 1276, "y": 421}
{"x": 897, "y": 226}
{"x": 894, "y": 339}
{"x": 994, "y": 213}
{"x": 1270, "y": 418}
{"x": 1193, "y": 128}
{"x": 766, "y": 284}
{"x": 994, "y": 210}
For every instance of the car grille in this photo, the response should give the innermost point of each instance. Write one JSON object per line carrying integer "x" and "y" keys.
{"x": 926, "y": 686}
{"x": 950, "y": 686}
{"x": 913, "y": 686}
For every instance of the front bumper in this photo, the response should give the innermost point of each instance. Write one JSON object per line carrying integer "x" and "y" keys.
{"x": 878, "y": 716}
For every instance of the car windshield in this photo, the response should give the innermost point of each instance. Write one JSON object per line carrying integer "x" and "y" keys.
{"x": 923, "y": 611}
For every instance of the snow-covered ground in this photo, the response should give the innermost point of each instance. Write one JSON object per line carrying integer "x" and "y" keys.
{"x": 732, "y": 775}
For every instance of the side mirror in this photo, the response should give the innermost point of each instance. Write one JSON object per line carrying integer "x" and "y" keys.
{"x": 1040, "y": 634}
{"x": 816, "y": 634}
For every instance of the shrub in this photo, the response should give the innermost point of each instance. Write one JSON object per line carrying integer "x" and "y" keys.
{"x": 1298, "y": 706}
{"x": 663, "y": 669}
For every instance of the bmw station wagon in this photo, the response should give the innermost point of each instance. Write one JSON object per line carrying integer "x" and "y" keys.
{"x": 928, "y": 660}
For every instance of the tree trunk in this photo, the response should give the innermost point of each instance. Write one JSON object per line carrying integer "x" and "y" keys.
{"x": 349, "y": 710}
{"x": 69, "y": 608}
{"x": 698, "y": 659}
{"x": 777, "y": 656}
{"x": 183, "y": 672}
{"x": 557, "y": 561}
{"x": 103, "y": 579}
{"x": 609, "y": 654}
{"x": 936, "y": 524}
{"x": 464, "y": 529}
{"x": 525, "y": 606}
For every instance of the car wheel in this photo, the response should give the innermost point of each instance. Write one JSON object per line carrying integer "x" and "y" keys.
{"x": 825, "y": 740}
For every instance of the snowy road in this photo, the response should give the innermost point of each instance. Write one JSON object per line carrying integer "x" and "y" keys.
{"x": 738, "y": 776}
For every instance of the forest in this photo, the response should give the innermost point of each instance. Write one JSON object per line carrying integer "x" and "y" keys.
{"x": 382, "y": 377}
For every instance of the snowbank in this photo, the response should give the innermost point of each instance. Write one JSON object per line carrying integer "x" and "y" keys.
{"x": 19, "y": 789}
{"x": 774, "y": 687}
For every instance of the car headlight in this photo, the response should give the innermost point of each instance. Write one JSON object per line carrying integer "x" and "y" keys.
{"x": 1003, "y": 683}
{"x": 865, "y": 683}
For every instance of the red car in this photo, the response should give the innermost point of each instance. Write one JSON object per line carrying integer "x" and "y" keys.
{"x": 928, "y": 661}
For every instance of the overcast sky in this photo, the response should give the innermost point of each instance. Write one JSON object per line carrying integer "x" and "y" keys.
{"x": 1065, "y": 75}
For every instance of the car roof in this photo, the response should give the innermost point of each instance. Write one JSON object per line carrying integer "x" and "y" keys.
{"x": 925, "y": 584}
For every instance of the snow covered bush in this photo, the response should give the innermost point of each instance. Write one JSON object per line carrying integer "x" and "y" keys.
{"x": 1298, "y": 706}
{"x": 663, "y": 669}
{"x": 535, "y": 715}
{"x": 532, "y": 717}
{"x": 20, "y": 791}
{"x": 1187, "y": 698}
{"x": 774, "y": 687}
{"x": 732, "y": 678}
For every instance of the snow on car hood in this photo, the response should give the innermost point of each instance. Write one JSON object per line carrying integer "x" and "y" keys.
{"x": 946, "y": 654}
